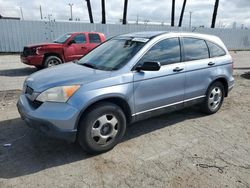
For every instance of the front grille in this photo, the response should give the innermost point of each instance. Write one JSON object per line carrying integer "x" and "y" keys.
{"x": 29, "y": 51}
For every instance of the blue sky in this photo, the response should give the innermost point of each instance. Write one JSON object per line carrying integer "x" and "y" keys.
{"x": 154, "y": 10}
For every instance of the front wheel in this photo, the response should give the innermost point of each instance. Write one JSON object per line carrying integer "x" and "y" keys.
{"x": 52, "y": 61}
{"x": 101, "y": 128}
{"x": 214, "y": 98}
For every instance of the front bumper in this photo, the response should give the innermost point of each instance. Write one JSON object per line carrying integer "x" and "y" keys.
{"x": 36, "y": 60}
{"x": 53, "y": 119}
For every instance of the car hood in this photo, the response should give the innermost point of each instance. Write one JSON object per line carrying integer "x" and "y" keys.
{"x": 43, "y": 45}
{"x": 63, "y": 75}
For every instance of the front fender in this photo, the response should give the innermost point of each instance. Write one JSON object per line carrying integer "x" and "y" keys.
{"x": 83, "y": 99}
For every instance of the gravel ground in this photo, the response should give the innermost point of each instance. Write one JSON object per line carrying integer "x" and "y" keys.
{"x": 180, "y": 149}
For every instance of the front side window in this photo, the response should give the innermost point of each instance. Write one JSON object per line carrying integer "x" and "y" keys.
{"x": 112, "y": 55}
{"x": 195, "y": 49}
{"x": 166, "y": 52}
{"x": 215, "y": 50}
{"x": 79, "y": 39}
{"x": 94, "y": 38}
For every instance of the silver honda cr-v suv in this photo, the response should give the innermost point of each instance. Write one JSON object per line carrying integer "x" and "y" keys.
{"x": 128, "y": 78}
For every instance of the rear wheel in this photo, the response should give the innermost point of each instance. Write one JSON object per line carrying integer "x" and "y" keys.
{"x": 102, "y": 128}
{"x": 214, "y": 98}
{"x": 51, "y": 61}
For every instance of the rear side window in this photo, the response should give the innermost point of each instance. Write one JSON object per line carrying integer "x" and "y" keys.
{"x": 215, "y": 50}
{"x": 166, "y": 52}
{"x": 94, "y": 38}
{"x": 195, "y": 49}
{"x": 81, "y": 38}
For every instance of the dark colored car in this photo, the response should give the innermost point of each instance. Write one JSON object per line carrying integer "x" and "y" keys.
{"x": 69, "y": 47}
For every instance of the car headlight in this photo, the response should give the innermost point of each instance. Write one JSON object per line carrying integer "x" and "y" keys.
{"x": 58, "y": 94}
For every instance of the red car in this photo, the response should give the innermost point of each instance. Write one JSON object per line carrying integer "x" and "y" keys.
{"x": 69, "y": 47}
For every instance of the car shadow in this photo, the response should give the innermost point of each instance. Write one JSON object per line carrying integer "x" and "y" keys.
{"x": 31, "y": 152}
{"x": 18, "y": 72}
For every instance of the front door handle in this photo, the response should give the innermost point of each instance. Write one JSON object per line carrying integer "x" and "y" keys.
{"x": 177, "y": 69}
{"x": 211, "y": 63}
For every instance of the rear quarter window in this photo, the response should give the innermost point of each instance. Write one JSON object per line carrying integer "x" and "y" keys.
{"x": 215, "y": 50}
{"x": 94, "y": 38}
{"x": 195, "y": 49}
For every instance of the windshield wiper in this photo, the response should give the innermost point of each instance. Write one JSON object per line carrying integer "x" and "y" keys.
{"x": 89, "y": 65}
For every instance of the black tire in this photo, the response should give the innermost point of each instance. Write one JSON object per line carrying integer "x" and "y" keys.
{"x": 210, "y": 104}
{"x": 100, "y": 120}
{"x": 39, "y": 67}
{"x": 51, "y": 61}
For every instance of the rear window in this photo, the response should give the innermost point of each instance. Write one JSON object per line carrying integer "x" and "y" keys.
{"x": 215, "y": 50}
{"x": 94, "y": 38}
{"x": 195, "y": 49}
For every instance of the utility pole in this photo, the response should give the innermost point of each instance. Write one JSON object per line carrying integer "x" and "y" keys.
{"x": 90, "y": 11}
{"x": 41, "y": 13}
{"x": 137, "y": 19}
{"x": 124, "y": 20}
{"x": 21, "y": 11}
{"x": 190, "y": 19}
{"x": 71, "y": 14}
{"x": 182, "y": 12}
{"x": 173, "y": 13}
{"x": 216, "y": 5}
{"x": 103, "y": 12}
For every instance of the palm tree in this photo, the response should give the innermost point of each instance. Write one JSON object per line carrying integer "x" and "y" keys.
{"x": 103, "y": 12}
{"x": 216, "y": 5}
{"x": 182, "y": 12}
{"x": 173, "y": 13}
{"x": 124, "y": 20}
{"x": 90, "y": 11}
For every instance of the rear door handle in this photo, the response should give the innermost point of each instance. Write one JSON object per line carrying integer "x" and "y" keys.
{"x": 177, "y": 69}
{"x": 211, "y": 63}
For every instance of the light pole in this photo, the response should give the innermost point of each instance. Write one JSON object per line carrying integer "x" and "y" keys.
{"x": 190, "y": 19}
{"x": 21, "y": 11}
{"x": 71, "y": 14}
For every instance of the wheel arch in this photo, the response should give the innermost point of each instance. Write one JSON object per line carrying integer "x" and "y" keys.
{"x": 224, "y": 82}
{"x": 52, "y": 54}
{"x": 119, "y": 101}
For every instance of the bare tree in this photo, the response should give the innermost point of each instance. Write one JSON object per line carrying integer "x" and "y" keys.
{"x": 103, "y": 12}
{"x": 182, "y": 12}
{"x": 90, "y": 11}
{"x": 173, "y": 13}
{"x": 124, "y": 20}
{"x": 216, "y": 5}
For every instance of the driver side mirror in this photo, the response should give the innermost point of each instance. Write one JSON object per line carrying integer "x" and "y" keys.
{"x": 149, "y": 66}
{"x": 71, "y": 42}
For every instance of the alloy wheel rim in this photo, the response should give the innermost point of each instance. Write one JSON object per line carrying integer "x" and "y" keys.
{"x": 104, "y": 129}
{"x": 215, "y": 98}
{"x": 53, "y": 62}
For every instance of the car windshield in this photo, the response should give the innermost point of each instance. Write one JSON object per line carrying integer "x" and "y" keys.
{"x": 113, "y": 54}
{"x": 62, "y": 39}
